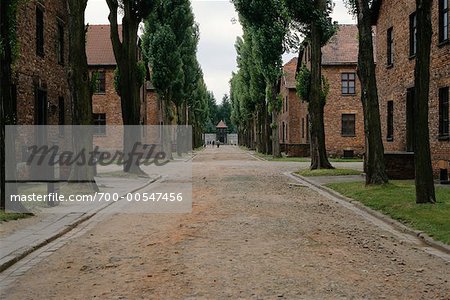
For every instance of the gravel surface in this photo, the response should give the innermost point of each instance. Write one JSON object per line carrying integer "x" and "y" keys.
{"x": 251, "y": 235}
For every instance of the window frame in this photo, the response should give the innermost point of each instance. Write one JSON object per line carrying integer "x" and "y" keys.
{"x": 390, "y": 121}
{"x": 100, "y": 82}
{"x": 444, "y": 123}
{"x": 443, "y": 16}
{"x": 60, "y": 43}
{"x": 345, "y": 122}
{"x": 345, "y": 83}
{"x": 412, "y": 35}
{"x": 99, "y": 122}
{"x": 40, "y": 31}
{"x": 390, "y": 47}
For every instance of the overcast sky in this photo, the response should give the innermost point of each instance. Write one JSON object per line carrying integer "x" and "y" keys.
{"x": 216, "y": 52}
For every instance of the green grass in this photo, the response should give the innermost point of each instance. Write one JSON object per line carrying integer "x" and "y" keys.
{"x": 303, "y": 159}
{"x": 328, "y": 172}
{"x": 5, "y": 217}
{"x": 397, "y": 200}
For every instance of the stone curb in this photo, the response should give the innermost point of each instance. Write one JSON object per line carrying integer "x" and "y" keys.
{"x": 396, "y": 224}
{"x": 67, "y": 228}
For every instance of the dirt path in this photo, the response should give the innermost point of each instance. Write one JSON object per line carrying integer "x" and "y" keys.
{"x": 250, "y": 236}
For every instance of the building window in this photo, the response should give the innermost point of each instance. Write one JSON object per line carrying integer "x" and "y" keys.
{"x": 390, "y": 121}
{"x": 61, "y": 115}
{"x": 390, "y": 46}
{"x": 303, "y": 128}
{"x": 101, "y": 82}
{"x": 443, "y": 113}
{"x": 348, "y": 83}
{"x": 348, "y": 124}
{"x": 287, "y": 103}
{"x": 443, "y": 21}
{"x": 60, "y": 46}
{"x": 412, "y": 34}
{"x": 39, "y": 31}
{"x": 99, "y": 121}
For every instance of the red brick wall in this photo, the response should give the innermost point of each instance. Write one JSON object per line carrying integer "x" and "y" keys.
{"x": 31, "y": 70}
{"x": 394, "y": 81}
{"x": 338, "y": 104}
{"x": 153, "y": 108}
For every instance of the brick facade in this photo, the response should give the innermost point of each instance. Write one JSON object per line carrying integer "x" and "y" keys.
{"x": 41, "y": 79}
{"x": 101, "y": 59}
{"x": 394, "y": 80}
{"x": 339, "y": 57}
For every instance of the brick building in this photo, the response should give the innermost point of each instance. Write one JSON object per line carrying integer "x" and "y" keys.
{"x": 105, "y": 101}
{"x": 343, "y": 115}
{"x": 395, "y": 21}
{"x": 40, "y": 72}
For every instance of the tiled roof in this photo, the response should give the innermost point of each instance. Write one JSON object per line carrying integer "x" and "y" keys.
{"x": 99, "y": 49}
{"x": 342, "y": 47}
{"x": 221, "y": 125}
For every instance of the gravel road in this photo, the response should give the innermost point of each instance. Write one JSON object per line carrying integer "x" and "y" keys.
{"x": 251, "y": 235}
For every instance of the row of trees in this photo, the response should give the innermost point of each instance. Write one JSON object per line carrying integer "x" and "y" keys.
{"x": 217, "y": 113}
{"x": 169, "y": 43}
{"x": 272, "y": 26}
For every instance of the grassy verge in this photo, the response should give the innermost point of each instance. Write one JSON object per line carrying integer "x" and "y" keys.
{"x": 303, "y": 159}
{"x": 4, "y": 217}
{"x": 328, "y": 172}
{"x": 397, "y": 200}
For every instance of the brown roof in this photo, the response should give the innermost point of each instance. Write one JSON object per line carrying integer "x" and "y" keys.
{"x": 99, "y": 49}
{"x": 342, "y": 47}
{"x": 221, "y": 125}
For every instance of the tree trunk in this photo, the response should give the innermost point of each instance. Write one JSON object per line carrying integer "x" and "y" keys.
{"x": 81, "y": 93}
{"x": 319, "y": 159}
{"x": 276, "y": 151}
{"x": 8, "y": 110}
{"x": 374, "y": 166}
{"x": 125, "y": 52}
{"x": 425, "y": 192}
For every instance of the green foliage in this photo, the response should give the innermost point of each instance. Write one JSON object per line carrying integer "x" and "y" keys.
{"x": 170, "y": 45}
{"x": 304, "y": 83}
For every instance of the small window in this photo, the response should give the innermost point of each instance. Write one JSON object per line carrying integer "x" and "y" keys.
{"x": 61, "y": 115}
{"x": 303, "y": 128}
{"x": 412, "y": 34}
{"x": 348, "y": 83}
{"x": 287, "y": 103}
{"x": 99, "y": 121}
{"x": 348, "y": 124}
{"x": 100, "y": 87}
{"x": 39, "y": 31}
{"x": 390, "y": 46}
{"x": 60, "y": 50}
{"x": 443, "y": 113}
{"x": 390, "y": 121}
{"x": 443, "y": 21}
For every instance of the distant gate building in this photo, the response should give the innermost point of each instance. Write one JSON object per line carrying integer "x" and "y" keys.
{"x": 222, "y": 132}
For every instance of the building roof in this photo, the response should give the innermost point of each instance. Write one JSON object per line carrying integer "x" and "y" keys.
{"x": 99, "y": 49}
{"x": 342, "y": 47}
{"x": 221, "y": 125}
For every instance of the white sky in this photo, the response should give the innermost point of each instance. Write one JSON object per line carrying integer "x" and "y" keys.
{"x": 216, "y": 52}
